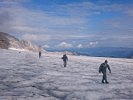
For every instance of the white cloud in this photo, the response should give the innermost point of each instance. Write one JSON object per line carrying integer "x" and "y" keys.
{"x": 130, "y": 11}
{"x": 114, "y": 23}
{"x": 94, "y": 43}
{"x": 80, "y": 46}
{"x": 35, "y": 37}
{"x": 19, "y": 19}
{"x": 84, "y": 9}
{"x": 64, "y": 45}
{"x": 45, "y": 46}
{"x": 68, "y": 22}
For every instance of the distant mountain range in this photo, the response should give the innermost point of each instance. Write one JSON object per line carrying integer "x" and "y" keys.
{"x": 116, "y": 52}
{"x": 8, "y": 41}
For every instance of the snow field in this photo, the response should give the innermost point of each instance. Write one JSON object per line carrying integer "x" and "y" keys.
{"x": 23, "y": 76}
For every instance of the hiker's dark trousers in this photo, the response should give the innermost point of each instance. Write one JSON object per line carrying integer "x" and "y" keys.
{"x": 65, "y": 63}
{"x": 104, "y": 77}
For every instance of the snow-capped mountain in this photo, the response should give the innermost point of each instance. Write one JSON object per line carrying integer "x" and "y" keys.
{"x": 10, "y": 42}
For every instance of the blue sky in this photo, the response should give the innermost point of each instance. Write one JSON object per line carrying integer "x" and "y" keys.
{"x": 69, "y": 23}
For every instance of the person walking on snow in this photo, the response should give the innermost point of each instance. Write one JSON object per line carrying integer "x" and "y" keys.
{"x": 40, "y": 54}
{"x": 65, "y": 59}
{"x": 102, "y": 69}
{"x": 39, "y": 51}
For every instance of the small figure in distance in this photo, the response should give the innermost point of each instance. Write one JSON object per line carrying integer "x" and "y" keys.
{"x": 65, "y": 59}
{"x": 40, "y": 54}
{"x": 39, "y": 50}
{"x": 102, "y": 69}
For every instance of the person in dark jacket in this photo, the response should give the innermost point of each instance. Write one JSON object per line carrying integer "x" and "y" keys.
{"x": 102, "y": 69}
{"x": 65, "y": 59}
{"x": 40, "y": 54}
{"x": 39, "y": 51}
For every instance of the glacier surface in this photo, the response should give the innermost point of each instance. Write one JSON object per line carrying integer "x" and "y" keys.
{"x": 23, "y": 76}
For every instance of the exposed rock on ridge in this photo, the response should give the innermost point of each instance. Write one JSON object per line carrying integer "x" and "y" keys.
{"x": 8, "y": 41}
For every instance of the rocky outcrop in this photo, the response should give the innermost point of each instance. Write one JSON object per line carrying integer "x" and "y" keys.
{"x": 27, "y": 45}
{"x": 7, "y": 41}
{"x": 4, "y": 43}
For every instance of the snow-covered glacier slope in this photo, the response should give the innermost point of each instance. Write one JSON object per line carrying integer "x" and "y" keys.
{"x": 23, "y": 76}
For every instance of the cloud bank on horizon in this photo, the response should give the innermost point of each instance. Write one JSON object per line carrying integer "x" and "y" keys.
{"x": 69, "y": 23}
